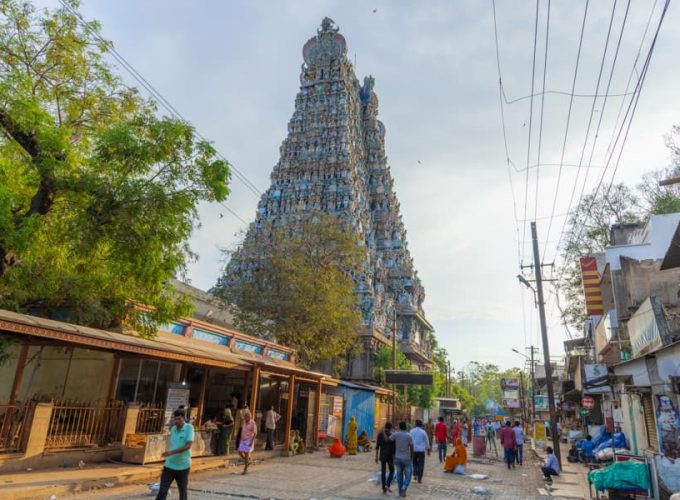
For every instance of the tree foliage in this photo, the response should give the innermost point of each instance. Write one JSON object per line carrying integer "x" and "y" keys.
{"x": 483, "y": 382}
{"x": 587, "y": 233}
{"x": 98, "y": 194}
{"x": 298, "y": 289}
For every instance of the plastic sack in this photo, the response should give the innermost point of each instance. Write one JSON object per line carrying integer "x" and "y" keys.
{"x": 478, "y": 477}
{"x": 459, "y": 470}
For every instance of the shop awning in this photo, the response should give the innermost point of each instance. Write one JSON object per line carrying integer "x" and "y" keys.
{"x": 162, "y": 347}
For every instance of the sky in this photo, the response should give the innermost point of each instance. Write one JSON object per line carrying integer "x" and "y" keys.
{"x": 232, "y": 69}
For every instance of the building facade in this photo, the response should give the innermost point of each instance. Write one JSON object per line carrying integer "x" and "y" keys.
{"x": 333, "y": 161}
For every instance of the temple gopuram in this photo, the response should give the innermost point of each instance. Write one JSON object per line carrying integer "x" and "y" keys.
{"x": 334, "y": 161}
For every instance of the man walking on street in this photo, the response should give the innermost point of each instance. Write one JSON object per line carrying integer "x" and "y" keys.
{"x": 519, "y": 442}
{"x": 177, "y": 458}
{"x": 270, "y": 425}
{"x": 384, "y": 450}
{"x": 491, "y": 437}
{"x": 403, "y": 455}
{"x": 508, "y": 443}
{"x": 441, "y": 433}
{"x": 421, "y": 444}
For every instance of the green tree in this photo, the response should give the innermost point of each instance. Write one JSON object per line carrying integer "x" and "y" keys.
{"x": 587, "y": 233}
{"x": 98, "y": 194}
{"x": 297, "y": 289}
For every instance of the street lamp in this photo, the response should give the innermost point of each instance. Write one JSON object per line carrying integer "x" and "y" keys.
{"x": 526, "y": 283}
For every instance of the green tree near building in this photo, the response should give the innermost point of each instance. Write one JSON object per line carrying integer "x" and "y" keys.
{"x": 297, "y": 289}
{"x": 98, "y": 194}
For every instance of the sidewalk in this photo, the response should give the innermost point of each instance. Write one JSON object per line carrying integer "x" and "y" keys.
{"x": 572, "y": 482}
{"x": 59, "y": 482}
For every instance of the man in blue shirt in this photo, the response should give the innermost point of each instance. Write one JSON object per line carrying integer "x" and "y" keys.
{"x": 588, "y": 448}
{"x": 421, "y": 444}
{"x": 551, "y": 467}
{"x": 177, "y": 458}
{"x": 519, "y": 442}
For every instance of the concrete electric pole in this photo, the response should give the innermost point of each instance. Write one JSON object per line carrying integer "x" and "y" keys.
{"x": 546, "y": 347}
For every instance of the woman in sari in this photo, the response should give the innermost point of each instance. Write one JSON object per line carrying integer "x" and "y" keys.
{"x": 352, "y": 436}
{"x": 247, "y": 443}
{"x": 458, "y": 457}
{"x": 364, "y": 442}
{"x": 337, "y": 450}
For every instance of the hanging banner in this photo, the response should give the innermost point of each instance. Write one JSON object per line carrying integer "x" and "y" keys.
{"x": 541, "y": 402}
{"x": 596, "y": 378}
{"x": 509, "y": 383}
{"x": 591, "y": 286}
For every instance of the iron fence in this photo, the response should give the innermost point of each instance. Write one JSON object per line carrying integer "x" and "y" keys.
{"x": 13, "y": 425}
{"x": 75, "y": 425}
{"x": 150, "y": 420}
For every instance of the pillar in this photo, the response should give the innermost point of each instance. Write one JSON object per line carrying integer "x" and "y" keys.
{"x": 114, "y": 378}
{"x": 130, "y": 424}
{"x": 40, "y": 424}
{"x": 289, "y": 414}
{"x": 254, "y": 389}
{"x": 18, "y": 374}
{"x": 317, "y": 415}
{"x": 201, "y": 395}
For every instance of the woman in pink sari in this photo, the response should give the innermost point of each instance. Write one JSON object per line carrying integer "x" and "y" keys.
{"x": 247, "y": 443}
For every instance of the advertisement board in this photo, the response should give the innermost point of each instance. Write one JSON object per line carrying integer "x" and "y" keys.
{"x": 541, "y": 402}
{"x": 509, "y": 383}
{"x": 539, "y": 432}
{"x": 596, "y": 378}
{"x": 643, "y": 328}
{"x": 511, "y": 398}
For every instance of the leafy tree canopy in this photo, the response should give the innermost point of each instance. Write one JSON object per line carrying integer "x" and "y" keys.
{"x": 98, "y": 194}
{"x": 297, "y": 289}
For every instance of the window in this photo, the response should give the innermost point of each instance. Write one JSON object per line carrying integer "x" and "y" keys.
{"x": 145, "y": 380}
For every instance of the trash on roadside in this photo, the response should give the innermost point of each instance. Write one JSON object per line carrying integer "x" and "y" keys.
{"x": 81, "y": 464}
{"x": 109, "y": 485}
{"x": 481, "y": 490}
{"x": 28, "y": 469}
{"x": 459, "y": 470}
{"x": 375, "y": 478}
{"x": 478, "y": 477}
{"x": 53, "y": 497}
{"x": 154, "y": 488}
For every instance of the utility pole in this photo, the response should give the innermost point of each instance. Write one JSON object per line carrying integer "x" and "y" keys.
{"x": 533, "y": 385}
{"x": 546, "y": 347}
{"x": 448, "y": 378}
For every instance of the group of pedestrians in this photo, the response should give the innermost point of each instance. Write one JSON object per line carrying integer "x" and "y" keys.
{"x": 402, "y": 453}
{"x": 512, "y": 441}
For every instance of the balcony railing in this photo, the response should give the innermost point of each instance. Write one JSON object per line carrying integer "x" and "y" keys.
{"x": 13, "y": 425}
{"x": 150, "y": 420}
{"x": 74, "y": 425}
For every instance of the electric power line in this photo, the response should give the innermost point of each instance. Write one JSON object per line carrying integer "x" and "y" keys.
{"x": 540, "y": 127}
{"x": 566, "y": 131}
{"x": 155, "y": 93}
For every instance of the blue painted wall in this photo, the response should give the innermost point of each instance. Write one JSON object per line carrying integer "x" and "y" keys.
{"x": 359, "y": 404}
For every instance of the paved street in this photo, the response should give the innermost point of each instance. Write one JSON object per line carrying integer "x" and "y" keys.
{"x": 317, "y": 476}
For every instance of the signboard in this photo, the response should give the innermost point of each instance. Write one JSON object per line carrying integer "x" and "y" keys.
{"x": 510, "y": 384}
{"x": 591, "y": 286}
{"x": 511, "y": 398}
{"x": 178, "y": 395}
{"x": 588, "y": 402}
{"x": 541, "y": 402}
{"x": 596, "y": 378}
{"x": 400, "y": 377}
{"x": 643, "y": 328}
{"x": 539, "y": 431}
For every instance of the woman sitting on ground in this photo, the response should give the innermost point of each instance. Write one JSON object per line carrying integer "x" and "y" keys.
{"x": 458, "y": 457}
{"x": 337, "y": 450}
{"x": 364, "y": 442}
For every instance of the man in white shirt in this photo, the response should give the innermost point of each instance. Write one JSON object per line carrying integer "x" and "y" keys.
{"x": 270, "y": 425}
{"x": 421, "y": 444}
